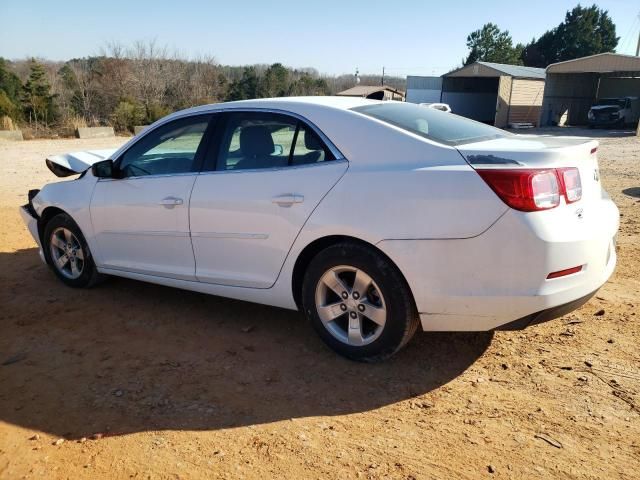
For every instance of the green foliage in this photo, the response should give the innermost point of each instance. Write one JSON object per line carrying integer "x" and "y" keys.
{"x": 36, "y": 97}
{"x": 10, "y": 87}
{"x": 585, "y": 31}
{"x": 156, "y": 111}
{"x": 246, "y": 87}
{"x": 7, "y": 107}
{"x": 307, "y": 85}
{"x": 490, "y": 44}
{"x": 71, "y": 84}
{"x": 128, "y": 114}
{"x": 275, "y": 82}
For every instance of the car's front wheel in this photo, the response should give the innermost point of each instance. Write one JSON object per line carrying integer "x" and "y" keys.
{"x": 67, "y": 252}
{"x": 358, "y": 302}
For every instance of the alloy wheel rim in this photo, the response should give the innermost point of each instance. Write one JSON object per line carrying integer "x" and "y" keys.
{"x": 66, "y": 253}
{"x": 350, "y": 305}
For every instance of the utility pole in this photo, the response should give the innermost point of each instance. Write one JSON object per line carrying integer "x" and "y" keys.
{"x": 382, "y": 76}
{"x": 638, "y": 46}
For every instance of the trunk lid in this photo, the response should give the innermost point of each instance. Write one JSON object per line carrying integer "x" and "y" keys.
{"x": 74, "y": 163}
{"x": 537, "y": 151}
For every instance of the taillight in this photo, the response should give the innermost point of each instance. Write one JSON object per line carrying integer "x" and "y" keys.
{"x": 571, "y": 184}
{"x": 530, "y": 190}
{"x": 526, "y": 190}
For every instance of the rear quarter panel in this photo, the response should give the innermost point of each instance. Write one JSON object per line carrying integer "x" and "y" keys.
{"x": 401, "y": 186}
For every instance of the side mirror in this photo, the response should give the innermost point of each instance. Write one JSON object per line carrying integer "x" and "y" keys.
{"x": 103, "y": 169}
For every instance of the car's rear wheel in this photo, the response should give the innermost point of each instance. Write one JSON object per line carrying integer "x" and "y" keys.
{"x": 358, "y": 302}
{"x": 67, "y": 252}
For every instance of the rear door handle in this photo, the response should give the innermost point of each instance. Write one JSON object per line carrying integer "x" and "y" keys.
{"x": 287, "y": 199}
{"x": 170, "y": 202}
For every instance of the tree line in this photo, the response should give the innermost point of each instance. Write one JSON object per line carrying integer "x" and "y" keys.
{"x": 133, "y": 85}
{"x": 136, "y": 85}
{"x": 584, "y": 31}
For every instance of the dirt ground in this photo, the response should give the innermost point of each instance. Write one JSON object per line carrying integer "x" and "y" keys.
{"x": 130, "y": 380}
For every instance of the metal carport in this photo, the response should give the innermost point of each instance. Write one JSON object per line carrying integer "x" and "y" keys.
{"x": 573, "y": 86}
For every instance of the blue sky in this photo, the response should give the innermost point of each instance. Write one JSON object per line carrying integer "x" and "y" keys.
{"x": 409, "y": 37}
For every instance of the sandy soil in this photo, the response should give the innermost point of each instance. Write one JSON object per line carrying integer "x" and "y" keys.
{"x": 141, "y": 381}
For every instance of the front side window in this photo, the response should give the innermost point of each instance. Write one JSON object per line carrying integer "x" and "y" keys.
{"x": 430, "y": 123}
{"x": 254, "y": 140}
{"x": 169, "y": 149}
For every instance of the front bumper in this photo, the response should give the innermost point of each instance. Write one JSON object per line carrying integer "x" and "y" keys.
{"x": 489, "y": 281}
{"x": 604, "y": 122}
{"x": 31, "y": 221}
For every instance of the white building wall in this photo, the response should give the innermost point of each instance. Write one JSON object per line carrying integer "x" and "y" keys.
{"x": 423, "y": 89}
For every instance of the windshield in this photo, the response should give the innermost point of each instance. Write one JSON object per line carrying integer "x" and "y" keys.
{"x": 432, "y": 124}
{"x": 612, "y": 101}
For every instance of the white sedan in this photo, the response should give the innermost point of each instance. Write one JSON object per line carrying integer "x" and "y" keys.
{"x": 372, "y": 217}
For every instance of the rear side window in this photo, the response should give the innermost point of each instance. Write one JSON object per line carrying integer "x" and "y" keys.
{"x": 255, "y": 140}
{"x": 433, "y": 124}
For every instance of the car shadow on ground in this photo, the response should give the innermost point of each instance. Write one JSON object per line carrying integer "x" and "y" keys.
{"x": 127, "y": 357}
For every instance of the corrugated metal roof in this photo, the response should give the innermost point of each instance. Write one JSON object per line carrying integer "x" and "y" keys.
{"x": 600, "y": 63}
{"x": 364, "y": 90}
{"x": 516, "y": 71}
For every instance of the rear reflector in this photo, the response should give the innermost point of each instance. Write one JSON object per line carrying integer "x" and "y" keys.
{"x": 527, "y": 190}
{"x": 562, "y": 273}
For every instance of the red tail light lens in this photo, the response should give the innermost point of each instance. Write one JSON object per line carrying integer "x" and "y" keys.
{"x": 571, "y": 184}
{"x": 525, "y": 190}
{"x": 529, "y": 190}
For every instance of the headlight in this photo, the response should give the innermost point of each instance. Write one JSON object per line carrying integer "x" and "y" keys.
{"x": 590, "y": 115}
{"x": 615, "y": 114}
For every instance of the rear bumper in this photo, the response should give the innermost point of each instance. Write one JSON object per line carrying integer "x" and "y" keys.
{"x": 499, "y": 279}
{"x": 546, "y": 315}
{"x": 31, "y": 221}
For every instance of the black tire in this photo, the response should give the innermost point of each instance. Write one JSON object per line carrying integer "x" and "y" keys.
{"x": 89, "y": 275}
{"x": 402, "y": 318}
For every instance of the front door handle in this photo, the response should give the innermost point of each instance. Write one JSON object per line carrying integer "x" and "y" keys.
{"x": 170, "y": 202}
{"x": 287, "y": 199}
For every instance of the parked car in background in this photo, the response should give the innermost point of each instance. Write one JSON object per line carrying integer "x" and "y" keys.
{"x": 615, "y": 112}
{"x": 373, "y": 218}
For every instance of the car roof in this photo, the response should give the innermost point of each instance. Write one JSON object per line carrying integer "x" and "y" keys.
{"x": 293, "y": 104}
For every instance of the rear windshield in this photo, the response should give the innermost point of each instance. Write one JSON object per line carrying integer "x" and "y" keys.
{"x": 433, "y": 124}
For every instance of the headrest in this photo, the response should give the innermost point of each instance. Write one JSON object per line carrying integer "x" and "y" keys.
{"x": 311, "y": 140}
{"x": 256, "y": 140}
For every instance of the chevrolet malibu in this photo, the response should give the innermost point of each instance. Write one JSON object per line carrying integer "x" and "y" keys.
{"x": 373, "y": 218}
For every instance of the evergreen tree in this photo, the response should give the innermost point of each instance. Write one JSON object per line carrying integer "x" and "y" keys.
{"x": 275, "y": 82}
{"x": 246, "y": 87}
{"x": 37, "y": 99}
{"x": 10, "y": 87}
{"x": 585, "y": 31}
{"x": 490, "y": 44}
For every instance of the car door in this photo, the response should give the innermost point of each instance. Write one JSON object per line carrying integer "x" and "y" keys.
{"x": 265, "y": 175}
{"x": 141, "y": 218}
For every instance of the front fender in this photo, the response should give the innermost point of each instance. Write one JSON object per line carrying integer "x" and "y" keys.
{"x": 73, "y": 198}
